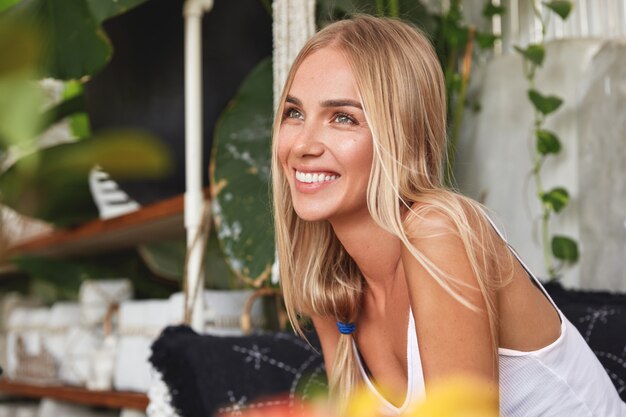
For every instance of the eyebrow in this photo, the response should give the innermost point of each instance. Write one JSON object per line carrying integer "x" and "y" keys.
{"x": 328, "y": 103}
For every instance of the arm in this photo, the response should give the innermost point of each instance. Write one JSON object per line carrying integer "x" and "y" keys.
{"x": 452, "y": 338}
{"x": 329, "y": 336}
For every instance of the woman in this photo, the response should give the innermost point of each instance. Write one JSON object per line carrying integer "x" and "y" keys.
{"x": 382, "y": 256}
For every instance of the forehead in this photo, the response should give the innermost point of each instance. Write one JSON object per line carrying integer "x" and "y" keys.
{"x": 324, "y": 74}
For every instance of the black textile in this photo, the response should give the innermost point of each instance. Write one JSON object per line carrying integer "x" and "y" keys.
{"x": 204, "y": 373}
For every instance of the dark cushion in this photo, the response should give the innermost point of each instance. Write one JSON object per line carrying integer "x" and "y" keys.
{"x": 600, "y": 317}
{"x": 206, "y": 374}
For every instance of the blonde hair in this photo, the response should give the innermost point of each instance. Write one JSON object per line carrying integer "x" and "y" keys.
{"x": 402, "y": 90}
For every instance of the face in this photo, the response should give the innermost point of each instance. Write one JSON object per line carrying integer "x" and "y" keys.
{"x": 324, "y": 142}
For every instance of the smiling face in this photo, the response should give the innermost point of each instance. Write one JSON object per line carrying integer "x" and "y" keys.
{"x": 324, "y": 142}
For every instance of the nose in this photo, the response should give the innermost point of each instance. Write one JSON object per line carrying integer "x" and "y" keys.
{"x": 308, "y": 143}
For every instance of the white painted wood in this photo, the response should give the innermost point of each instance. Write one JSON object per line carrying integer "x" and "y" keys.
{"x": 193, "y": 11}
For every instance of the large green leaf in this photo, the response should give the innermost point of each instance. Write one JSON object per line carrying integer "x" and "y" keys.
{"x": 544, "y": 104}
{"x": 104, "y": 9}
{"x": 20, "y": 48}
{"x": 565, "y": 248}
{"x": 240, "y": 169}
{"x": 52, "y": 184}
{"x": 74, "y": 43}
{"x": 561, "y": 7}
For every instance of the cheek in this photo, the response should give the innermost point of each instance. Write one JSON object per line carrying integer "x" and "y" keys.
{"x": 357, "y": 154}
{"x": 283, "y": 147}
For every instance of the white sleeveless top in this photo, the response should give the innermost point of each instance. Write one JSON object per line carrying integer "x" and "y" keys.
{"x": 563, "y": 379}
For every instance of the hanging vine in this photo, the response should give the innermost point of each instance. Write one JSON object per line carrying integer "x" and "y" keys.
{"x": 547, "y": 143}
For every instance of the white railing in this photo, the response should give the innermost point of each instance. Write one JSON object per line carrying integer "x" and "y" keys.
{"x": 518, "y": 26}
{"x": 589, "y": 19}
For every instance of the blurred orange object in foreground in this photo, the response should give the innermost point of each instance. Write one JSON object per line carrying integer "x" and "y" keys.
{"x": 453, "y": 397}
{"x": 281, "y": 406}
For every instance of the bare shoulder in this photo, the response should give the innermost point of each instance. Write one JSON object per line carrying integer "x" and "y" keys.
{"x": 424, "y": 219}
{"x": 437, "y": 239}
{"x": 453, "y": 337}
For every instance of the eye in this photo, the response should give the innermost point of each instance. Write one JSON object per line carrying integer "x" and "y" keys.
{"x": 344, "y": 119}
{"x": 292, "y": 113}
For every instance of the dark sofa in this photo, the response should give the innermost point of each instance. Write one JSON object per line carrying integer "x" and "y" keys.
{"x": 206, "y": 374}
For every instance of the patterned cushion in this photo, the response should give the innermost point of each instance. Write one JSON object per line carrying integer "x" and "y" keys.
{"x": 206, "y": 374}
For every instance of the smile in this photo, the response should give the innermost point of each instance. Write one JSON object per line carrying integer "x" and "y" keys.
{"x": 315, "y": 177}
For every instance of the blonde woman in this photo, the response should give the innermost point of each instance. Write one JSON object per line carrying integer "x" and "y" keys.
{"x": 407, "y": 282}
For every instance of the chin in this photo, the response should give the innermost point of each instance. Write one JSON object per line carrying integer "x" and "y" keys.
{"x": 310, "y": 215}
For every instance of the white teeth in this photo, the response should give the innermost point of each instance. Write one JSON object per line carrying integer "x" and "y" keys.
{"x": 313, "y": 178}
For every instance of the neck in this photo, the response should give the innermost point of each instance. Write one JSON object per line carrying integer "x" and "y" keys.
{"x": 375, "y": 251}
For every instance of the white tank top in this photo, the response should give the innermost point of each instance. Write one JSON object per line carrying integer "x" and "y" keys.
{"x": 563, "y": 379}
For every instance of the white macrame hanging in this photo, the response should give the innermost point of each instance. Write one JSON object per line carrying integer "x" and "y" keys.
{"x": 294, "y": 24}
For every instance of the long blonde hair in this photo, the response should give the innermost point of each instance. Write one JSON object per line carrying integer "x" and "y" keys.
{"x": 403, "y": 96}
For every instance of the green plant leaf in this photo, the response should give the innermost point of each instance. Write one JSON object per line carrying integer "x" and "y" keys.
{"x": 20, "y": 119}
{"x": 557, "y": 198}
{"x": 547, "y": 142}
{"x": 491, "y": 10}
{"x": 486, "y": 40}
{"x": 20, "y": 48}
{"x": 565, "y": 248}
{"x": 561, "y": 7}
{"x": 544, "y": 104}
{"x": 240, "y": 169}
{"x": 73, "y": 43}
{"x": 533, "y": 53}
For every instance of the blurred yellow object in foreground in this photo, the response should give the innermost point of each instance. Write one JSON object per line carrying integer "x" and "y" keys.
{"x": 452, "y": 397}
{"x": 460, "y": 396}
{"x": 363, "y": 404}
